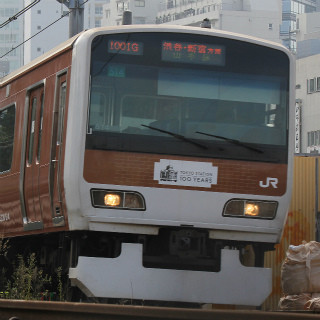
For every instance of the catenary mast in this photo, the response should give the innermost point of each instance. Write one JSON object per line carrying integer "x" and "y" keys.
{"x": 76, "y": 16}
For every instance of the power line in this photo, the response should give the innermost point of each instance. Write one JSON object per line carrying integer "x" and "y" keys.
{"x": 66, "y": 14}
{"x": 34, "y": 35}
{"x": 14, "y": 17}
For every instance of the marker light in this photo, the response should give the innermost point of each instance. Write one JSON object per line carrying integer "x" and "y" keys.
{"x": 116, "y": 199}
{"x": 250, "y": 209}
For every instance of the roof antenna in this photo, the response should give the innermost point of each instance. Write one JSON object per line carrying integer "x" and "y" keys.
{"x": 127, "y": 17}
{"x": 205, "y": 23}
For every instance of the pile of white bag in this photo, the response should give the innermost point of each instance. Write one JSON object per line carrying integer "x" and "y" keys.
{"x": 300, "y": 278}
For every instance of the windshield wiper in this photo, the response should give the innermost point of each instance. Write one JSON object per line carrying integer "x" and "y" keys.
{"x": 233, "y": 141}
{"x": 178, "y": 136}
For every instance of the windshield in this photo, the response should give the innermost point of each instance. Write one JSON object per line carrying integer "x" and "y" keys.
{"x": 188, "y": 95}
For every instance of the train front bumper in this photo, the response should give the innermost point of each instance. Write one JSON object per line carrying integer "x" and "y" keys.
{"x": 125, "y": 277}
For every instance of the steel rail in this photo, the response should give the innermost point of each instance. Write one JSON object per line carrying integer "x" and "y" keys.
{"x": 44, "y": 310}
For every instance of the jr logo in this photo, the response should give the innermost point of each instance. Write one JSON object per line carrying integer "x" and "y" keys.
{"x": 270, "y": 181}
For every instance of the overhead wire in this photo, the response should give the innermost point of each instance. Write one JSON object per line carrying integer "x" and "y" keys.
{"x": 14, "y": 17}
{"x": 66, "y": 14}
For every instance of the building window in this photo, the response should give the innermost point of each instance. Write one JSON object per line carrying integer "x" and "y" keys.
{"x": 318, "y": 83}
{"x": 7, "y": 121}
{"x": 98, "y": 10}
{"x": 39, "y": 49}
{"x": 170, "y": 4}
{"x": 141, "y": 3}
{"x": 313, "y": 141}
{"x": 312, "y": 138}
{"x": 317, "y": 141}
{"x": 38, "y": 27}
{"x": 270, "y": 26}
{"x": 311, "y": 85}
{"x": 39, "y": 12}
{"x": 122, "y": 6}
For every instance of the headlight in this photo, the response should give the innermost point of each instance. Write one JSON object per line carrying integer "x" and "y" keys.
{"x": 112, "y": 199}
{"x": 116, "y": 199}
{"x": 250, "y": 209}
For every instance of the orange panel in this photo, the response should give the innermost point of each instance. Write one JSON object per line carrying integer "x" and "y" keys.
{"x": 137, "y": 169}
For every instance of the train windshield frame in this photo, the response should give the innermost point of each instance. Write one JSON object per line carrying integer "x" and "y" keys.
{"x": 188, "y": 94}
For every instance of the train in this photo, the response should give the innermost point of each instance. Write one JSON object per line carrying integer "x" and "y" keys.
{"x": 147, "y": 161}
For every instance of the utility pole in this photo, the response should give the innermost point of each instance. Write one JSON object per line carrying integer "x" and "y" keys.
{"x": 76, "y": 16}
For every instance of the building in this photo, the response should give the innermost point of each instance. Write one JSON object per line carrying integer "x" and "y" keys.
{"x": 252, "y": 17}
{"x": 93, "y": 13}
{"x": 307, "y": 105}
{"x": 55, "y": 12}
{"x": 143, "y": 11}
{"x": 39, "y": 29}
{"x": 308, "y": 83}
{"x": 289, "y": 27}
{"x": 38, "y": 38}
{"x": 11, "y": 36}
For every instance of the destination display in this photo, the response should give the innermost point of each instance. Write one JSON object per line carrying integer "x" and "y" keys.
{"x": 124, "y": 47}
{"x": 197, "y": 53}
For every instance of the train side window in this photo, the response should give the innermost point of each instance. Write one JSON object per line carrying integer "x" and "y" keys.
{"x": 62, "y": 103}
{"x": 32, "y": 129}
{"x": 40, "y": 128}
{"x": 7, "y": 121}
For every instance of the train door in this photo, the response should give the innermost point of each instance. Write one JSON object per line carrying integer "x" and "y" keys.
{"x": 56, "y": 150}
{"x": 31, "y": 194}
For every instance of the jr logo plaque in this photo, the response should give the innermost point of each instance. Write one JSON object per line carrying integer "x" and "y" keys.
{"x": 185, "y": 173}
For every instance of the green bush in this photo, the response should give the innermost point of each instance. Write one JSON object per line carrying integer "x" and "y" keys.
{"x": 24, "y": 279}
{"x": 28, "y": 282}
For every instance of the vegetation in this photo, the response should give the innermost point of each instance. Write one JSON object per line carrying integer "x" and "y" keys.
{"x": 27, "y": 281}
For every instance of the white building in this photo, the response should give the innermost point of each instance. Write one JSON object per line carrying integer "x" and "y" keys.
{"x": 39, "y": 36}
{"x": 307, "y": 27}
{"x": 38, "y": 29}
{"x": 258, "y": 18}
{"x": 143, "y": 11}
{"x": 10, "y": 36}
{"x": 291, "y": 9}
{"x": 308, "y": 102}
{"x": 93, "y": 13}
{"x": 308, "y": 83}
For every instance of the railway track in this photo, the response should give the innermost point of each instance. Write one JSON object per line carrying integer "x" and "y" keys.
{"x": 31, "y": 310}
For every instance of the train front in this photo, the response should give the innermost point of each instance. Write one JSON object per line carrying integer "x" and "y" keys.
{"x": 177, "y": 163}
